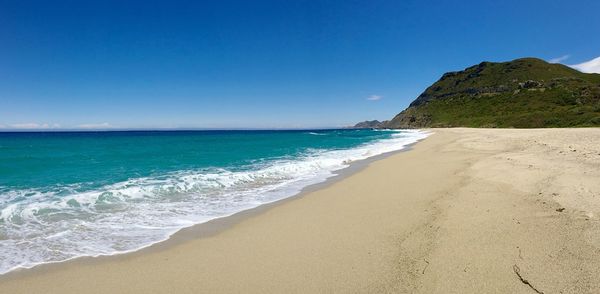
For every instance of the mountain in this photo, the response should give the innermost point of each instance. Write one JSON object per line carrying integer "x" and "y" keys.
{"x": 523, "y": 93}
{"x": 369, "y": 124}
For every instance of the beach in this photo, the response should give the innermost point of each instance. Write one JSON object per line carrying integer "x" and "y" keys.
{"x": 463, "y": 211}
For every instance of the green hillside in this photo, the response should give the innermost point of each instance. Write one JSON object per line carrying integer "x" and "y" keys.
{"x": 523, "y": 93}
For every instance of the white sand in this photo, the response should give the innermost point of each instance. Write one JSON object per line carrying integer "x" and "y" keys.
{"x": 454, "y": 215}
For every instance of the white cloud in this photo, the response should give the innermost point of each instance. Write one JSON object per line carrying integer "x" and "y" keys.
{"x": 25, "y": 126}
{"x": 95, "y": 126}
{"x": 590, "y": 66}
{"x": 559, "y": 59}
{"x": 29, "y": 126}
{"x": 374, "y": 97}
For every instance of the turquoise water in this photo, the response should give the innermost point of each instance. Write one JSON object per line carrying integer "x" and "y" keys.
{"x": 70, "y": 194}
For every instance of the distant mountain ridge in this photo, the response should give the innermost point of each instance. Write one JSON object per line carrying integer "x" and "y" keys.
{"x": 523, "y": 93}
{"x": 370, "y": 124}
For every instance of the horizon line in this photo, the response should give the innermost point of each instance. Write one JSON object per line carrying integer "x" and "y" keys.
{"x": 76, "y": 130}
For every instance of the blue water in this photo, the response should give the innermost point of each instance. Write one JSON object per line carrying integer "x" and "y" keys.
{"x": 70, "y": 194}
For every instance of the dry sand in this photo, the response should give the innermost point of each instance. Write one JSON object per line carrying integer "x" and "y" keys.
{"x": 460, "y": 213}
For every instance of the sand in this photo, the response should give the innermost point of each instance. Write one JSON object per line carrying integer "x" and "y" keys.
{"x": 464, "y": 211}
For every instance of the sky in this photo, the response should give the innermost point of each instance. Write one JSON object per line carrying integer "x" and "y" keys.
{"x": 261, "y": 64}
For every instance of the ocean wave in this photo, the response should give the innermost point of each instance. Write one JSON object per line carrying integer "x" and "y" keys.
{"x": 58, "y": 224}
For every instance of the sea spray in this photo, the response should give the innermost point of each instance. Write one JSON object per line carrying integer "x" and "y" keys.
{"x": 67, "y": 195}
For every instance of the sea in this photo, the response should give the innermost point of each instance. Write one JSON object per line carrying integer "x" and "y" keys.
{"x": 65, "y": 195}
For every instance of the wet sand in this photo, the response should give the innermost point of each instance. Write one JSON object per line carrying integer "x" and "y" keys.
{"x": 464, "y": 211}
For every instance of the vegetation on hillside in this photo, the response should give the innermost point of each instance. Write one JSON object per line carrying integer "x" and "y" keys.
{"x": 369, "y": 124}
{"x": 524, "y": 93}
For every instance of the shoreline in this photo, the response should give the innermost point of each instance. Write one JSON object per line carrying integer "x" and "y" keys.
{"x": 465, "y": 211}
{"x": 213, "y": 226}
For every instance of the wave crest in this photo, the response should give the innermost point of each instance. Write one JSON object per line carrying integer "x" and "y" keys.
{"x": 67, "y": 222}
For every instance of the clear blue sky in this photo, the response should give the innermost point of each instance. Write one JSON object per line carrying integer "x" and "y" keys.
{"x": 263, "y": 64}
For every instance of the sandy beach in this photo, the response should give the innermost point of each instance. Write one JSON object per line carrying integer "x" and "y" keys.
{"x": 463, "y": 211}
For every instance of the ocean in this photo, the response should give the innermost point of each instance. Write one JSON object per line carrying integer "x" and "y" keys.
{"x": 69, "y": 194}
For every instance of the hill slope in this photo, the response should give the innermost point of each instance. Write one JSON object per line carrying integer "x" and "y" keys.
{"x": 523, "y": 93}
{"x": 369, "y": 124}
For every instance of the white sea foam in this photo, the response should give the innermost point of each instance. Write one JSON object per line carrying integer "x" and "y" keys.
{"x": 43, "y": 227}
